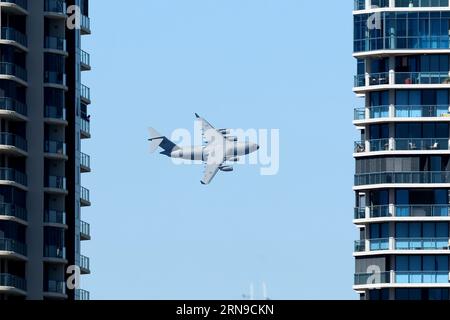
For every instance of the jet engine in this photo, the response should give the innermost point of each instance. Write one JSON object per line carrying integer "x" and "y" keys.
{"x": 226, "y": 168}
{"x": 233, "y": 159}
{"x": 224, "y": 131}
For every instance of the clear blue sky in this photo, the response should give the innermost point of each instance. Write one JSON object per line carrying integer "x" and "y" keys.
{"x": 158, "y": 233}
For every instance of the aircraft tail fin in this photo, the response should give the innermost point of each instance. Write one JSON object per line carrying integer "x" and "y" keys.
{"x": 158, "y": 140}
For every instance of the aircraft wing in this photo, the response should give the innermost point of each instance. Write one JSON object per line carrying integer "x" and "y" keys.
{"x": 210, "y": 172}
{"x": 210, "y": 134}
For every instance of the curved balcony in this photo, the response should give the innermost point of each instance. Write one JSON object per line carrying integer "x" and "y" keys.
{"x": 55, "y": 149}
{"x": 14, "y": 37}
{"x": 17, "y": 6}
{"x": 401, "y": 113}
{"x": 55, "y": 79}
{"x": 394, "y": 245}
{"x": 423, "y": 178}
{"x": 13, "y": 144}
{"x": 403, "y": 212}
{"x": 85, "y": 197}
{"x": 85, "y": 265}
{"x": 55, "y": 44}
{"x": 55, "y": 115}
{"x": 54, "y": 217}
{"x": 55, "y": 184}
{"x": 55, "y": 289}
{"x": 12, "y": 109}
{"x": 402, "y": 279}
{"x": 85, "y": 231}
{"x": 12, "y": 247}
{"x": 11, "y": 71}
{"x": 8, "y": 210}
{"x": 393, "y": 80}
{"x": 55, "y": 8}
{"x": 12, "y": 284}
{"x": 13, "y": 177}
{"x": 55, "y": 253}
{"x": 392, "y": 145}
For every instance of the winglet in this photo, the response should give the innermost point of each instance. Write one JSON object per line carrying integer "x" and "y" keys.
{"x": 197, "y": 116}
{"x": 202, "y": 183}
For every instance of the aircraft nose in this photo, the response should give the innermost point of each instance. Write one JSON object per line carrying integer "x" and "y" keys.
{"x": 257, "y": 147}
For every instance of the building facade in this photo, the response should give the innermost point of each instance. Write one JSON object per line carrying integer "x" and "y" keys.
{"x": 43, "y": 119}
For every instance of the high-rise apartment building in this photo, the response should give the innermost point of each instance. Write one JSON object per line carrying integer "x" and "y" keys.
{"x": 402, "y": 180}
{"x": 43, "y": 119}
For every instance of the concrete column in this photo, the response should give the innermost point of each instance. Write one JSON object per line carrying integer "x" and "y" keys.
{"x": 35, "y": 161}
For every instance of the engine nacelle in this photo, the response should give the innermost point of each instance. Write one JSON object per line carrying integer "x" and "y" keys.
{"x": 226, "y": 168}
{"x": 224, "y": 131}
{"x": 231, "y": 138}
{"x": 234, "y": 159}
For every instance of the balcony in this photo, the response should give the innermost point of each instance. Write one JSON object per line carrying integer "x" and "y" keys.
{"x": 402, "y": 244}
{"x": 85, "y": 265}
{"x": 55, "y": 149}
{"x": 85, "y": 197}
{"x": 13, "y": 70}
{"x": 412, "y": 111}
{"x": 9, "y": 282}
{"x": 85, "y": 25}
{"x": 8, "y": 176}
{"x": 21, "y": 6}
{"x": 420, "y": 144}
{"x": 54, "y": 217}
{"x": 85, "y": 61}
{"x": 55, "y": 115}
{"x": 85, "y": 128}
{"x": 361, "y": 4}
{"x": 403, "y": 211}
{"x": 418, "y": 177}
{"x": 54, "y": 252}
{"x": 13, "y": 143}
{"x": 55, "y": 184}
{"x": 55, "y": 43}
{"x": 82, "y": 295}
{"x": 402, "y": 79}
{"x": 13, "y": 211}
{"x": 395, "y": 278}
{"x": 55, "y": 78}
{"x": 9, "y": 245}
{"x": 53, "y": 287}
{"x": 14, "y": 37}
{"x": 12, "y": 108}
{"x": 85, "y": 94}
{"x": 85, "y": 164}
{"x": 55, "y": 7}
{"x": 85, "y": 231}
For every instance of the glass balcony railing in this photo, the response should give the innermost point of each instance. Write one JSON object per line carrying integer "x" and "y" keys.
{"x": 85, "y": 126}
{"x": 360, "y": 246}
{"x": 55, "y": 43}
{"x": 12, "y": 210}
{"x": 379, "y": 212}
{"x": 379, "y": 145}
{"x": 9, "y": 280}
{"x": 85, "y": 58}
{"x": 84, "y": 262}
{"x": 55, "y": 77}
{"x": 421, "y": 111}
{"x": 85, "y": 228}
{"x": 55, "y": 147}
{"x": 85, "y": 160}
{"x": 55, "y": 6}
{"x": 360, "y": 146}
{"x": 416, "y": 177}
{"x": 360, "y": 113}
{"x": 54, "y": 252}
{"x": 403, "y": 78}
{"x": 53, "y": 286}
{"x": 54, "y": 216}
{"x": 421, "y": 144}
{"x": 20, "y": 3}
{"x": 85, "y": 92}
{"x": 421, "y": 3}
{"x": 422, "y": 277}
{"x": 360, "y": 213}
{"x": 12, "y": 34}
{"x": 82, "y": 295}
{"x": 8, "y": 174}
{"x": 85, "y": 194}
{"x": 422, "y": 210}
{"x": 372, "y": 278}
{"x": 57, "y": 113}
{"x": 13, "y": 140}
{"x": 13, "y": 246}
{"x": 377, "y": 79}
{"x": 55, "y": 182}
{"x": 422, "y": 244}
{"x": 360, "y": 5}
{"x": 379, "y": 244}
{"x": 11, "y": 69}
{"x": 10, "y": 104}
